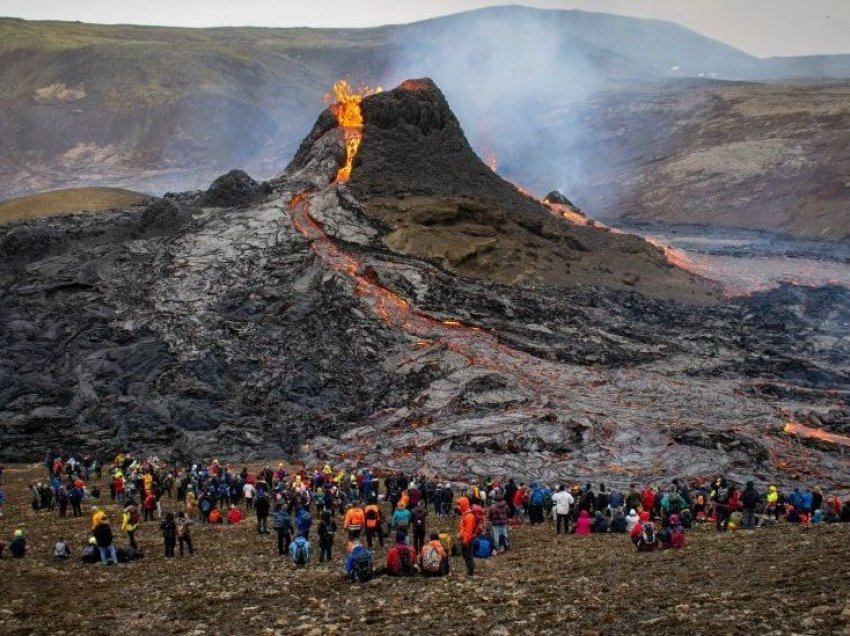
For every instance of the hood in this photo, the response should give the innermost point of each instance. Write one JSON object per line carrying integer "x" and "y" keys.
{"x": 644, "y": 516}
{"x": 633, "y": 513}
{"x": 463, "y": 504}
{"x": 674, "y": 520}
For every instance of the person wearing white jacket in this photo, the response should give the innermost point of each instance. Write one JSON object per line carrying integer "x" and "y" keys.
{"x": 562, "y": 501}
{"x": 632, "y": 519}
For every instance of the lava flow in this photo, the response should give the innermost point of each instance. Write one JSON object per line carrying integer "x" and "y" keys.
{"x": 346, "y": 109}
{"x": 807, "y": 432}
{"x": 480, "y": 347}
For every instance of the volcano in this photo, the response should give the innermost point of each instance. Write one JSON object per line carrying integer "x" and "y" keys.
{"x": 394, "y": 301}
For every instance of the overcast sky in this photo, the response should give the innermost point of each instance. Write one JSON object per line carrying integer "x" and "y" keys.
{"x": 761, "y": 27}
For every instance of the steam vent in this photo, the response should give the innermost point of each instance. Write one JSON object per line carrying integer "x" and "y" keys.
{"x": 390, "y": 299}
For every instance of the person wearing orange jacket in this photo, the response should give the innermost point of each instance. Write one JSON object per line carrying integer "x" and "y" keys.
{"x": 466, "y": 533}
{"x": 354, "y": 521}
{"x": 373, "y": 517}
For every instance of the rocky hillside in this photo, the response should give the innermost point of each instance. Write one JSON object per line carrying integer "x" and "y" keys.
{"x": 765, "y": 156}
{"x": 157, "y": 109}
{"x": 282, "y": 318}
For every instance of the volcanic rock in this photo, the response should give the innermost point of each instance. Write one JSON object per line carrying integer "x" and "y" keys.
{"x": 312, "y": 323}
{"x": 233, "y": 189}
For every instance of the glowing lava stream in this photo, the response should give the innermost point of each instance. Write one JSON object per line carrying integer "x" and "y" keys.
{"x": 481, "y": 348}
{"x": 346, "y": 109}
{"x": 801, "y": 430}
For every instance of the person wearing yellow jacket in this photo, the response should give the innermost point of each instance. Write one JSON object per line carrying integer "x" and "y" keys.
{"x": 97, "y": 515}
{"x": 773, "y": 502}
{"x": 129, "y": 523}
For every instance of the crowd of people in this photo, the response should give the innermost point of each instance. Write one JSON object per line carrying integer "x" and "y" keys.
{"x": 306, "y": 507}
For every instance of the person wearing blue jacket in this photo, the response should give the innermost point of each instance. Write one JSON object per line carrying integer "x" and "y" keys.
{"x": 303, "y": 521}
{"x": 806, "y": 500}
{"x": 358, "y": 553}
{"x": 401, "y": 519}
{"x": 300, "y": 550}
{"x": 535, "y": 503}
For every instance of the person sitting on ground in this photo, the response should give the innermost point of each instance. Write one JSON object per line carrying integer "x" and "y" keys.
{"x": 433, "y": 560}
{"x": 632, "y": 520}
{"x": 401, "y": 558}
{"x": 619, "y": 524}
{"x": 359, "y": 567}
{"x": 89, "y": 553}
{"x": 644, "y": 535}
{"x": 583, "y": 524}
{"x": 214, "y": 516}
{"x": 234, "y": 515}
{"x": 300, "y": 551}
{"x": 600, "y": 523}
{"x": 62, "y": 550}
{"x": 18, "y": 547}
{"x": 673, "y": 536}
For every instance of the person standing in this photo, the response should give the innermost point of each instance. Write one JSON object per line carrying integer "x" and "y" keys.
{"x": 103, "y": 536}
{"x": 563, "y": 502}
{"x": 129, "y": 522}
{"x": 169, "y": 534}
{"x": 466, "y": 533}
{"x": 750, "y": 499}
{"x": 282, "y": 525}
{"x": 418, "y": 519}
{"x": 261, "y": 507}
{"x": 374, "y": 520}
{"x": 183, "y": 535}
{"x": 327, "y": 529}
{"x": 499, "y": 515}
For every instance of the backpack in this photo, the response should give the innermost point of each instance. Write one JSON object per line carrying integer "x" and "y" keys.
{"x": 674, "y": 503}
{"x": 405, "y": 565}
{"x": 300, "y": 556}
{"x": 482, "y": 548}
{"x": 134, "y": 516}
{"x": 431, "y": 560}
{"x": 648, "y": 533}
{"x": 361, "y": 566}
{"x": 677, "y": 538}
{"x": 206, "y": 505}
{"x": 281, "y": 519}
{"x": 371, "y": 517}
{"x": 722, "y": 495}
{"x": 537, "y": 497}
{"x": 478, "y": 513}
{"x": 446, "y": 540}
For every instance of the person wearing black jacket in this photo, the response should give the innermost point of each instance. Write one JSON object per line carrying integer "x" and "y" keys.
{"x": 327, "y": 528}
{"x": 750, "y": 499}
{"x": 169, "y": 534}
{"x": 261, "y": 506}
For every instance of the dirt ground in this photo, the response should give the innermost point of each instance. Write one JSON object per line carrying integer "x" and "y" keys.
{"x": 779, "y": 580}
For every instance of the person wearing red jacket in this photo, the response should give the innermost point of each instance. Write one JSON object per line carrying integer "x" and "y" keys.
{"x": 583, "y": 524}
{"x": 396, "y": 565}
{"x": 149, "y": 506}
{"x": 519, "y": 499}
{"x": 234, "y": 515}
{"x": 647, "y": 499}
{"x": 467, "y": 528}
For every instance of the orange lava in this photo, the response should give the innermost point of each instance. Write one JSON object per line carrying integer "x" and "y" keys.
{"x": 801, "y": 430}
{"x": 415, "y": 85}
{"x": 346, "y": 109}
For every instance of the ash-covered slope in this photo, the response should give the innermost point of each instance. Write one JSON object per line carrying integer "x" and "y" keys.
{"x": 282, "y": 323}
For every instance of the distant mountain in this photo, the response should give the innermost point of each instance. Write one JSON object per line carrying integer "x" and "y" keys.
{"x": 156, "y": 109}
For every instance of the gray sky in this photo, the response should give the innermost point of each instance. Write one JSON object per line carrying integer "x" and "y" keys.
{"x": 761, "y": 27}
